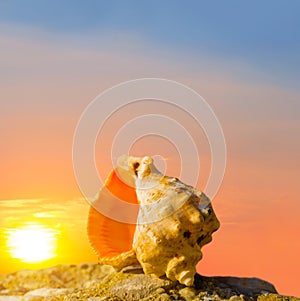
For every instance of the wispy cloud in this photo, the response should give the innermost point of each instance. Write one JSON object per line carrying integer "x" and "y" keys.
{"x": 24, "y": 210}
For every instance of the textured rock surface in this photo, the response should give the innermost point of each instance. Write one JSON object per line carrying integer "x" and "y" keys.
{"x": 93, "y": 282}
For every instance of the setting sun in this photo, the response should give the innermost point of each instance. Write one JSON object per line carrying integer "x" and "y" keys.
{"x": 32, "y": 243}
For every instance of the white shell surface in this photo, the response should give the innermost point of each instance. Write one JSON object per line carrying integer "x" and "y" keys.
{"x": 175, "y": 220}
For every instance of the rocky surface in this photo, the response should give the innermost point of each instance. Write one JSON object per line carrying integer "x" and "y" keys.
{"x": 94, "y": 282}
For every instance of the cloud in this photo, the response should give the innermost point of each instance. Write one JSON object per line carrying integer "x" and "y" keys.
{"x": 16, "y": 212}
{"x": 20, "y": 202}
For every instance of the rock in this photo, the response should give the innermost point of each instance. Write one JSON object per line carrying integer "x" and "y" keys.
{"x": 61, "y": 276}
{"x": 188, "y": 293}
{"x": 246, "y": 285}
{"x": 92, "y": 282}
{"x": 11, "y": 298}
{"x": 235, "y": 286}
{"x": 41, "y": 293}
{"x": 275, "y": 297}
{"x": 160, "y": 290}
{"x": 165, "y": 297}
{"x": 235, "y": 298}
{"x": 139, "y": 286}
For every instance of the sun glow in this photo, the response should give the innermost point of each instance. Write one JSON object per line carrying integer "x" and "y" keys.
{"x": 32, "y": 243}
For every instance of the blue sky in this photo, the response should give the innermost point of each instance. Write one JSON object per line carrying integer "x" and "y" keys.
{"x": 263, "y": 34}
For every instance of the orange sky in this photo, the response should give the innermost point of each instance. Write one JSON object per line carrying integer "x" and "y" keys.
{"x": 258, "y": 204}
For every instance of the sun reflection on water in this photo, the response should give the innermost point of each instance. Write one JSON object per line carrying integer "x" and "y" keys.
{"x": 32, "y": 243}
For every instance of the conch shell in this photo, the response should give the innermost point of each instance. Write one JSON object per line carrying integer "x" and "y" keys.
{"x": 174, "y": 221}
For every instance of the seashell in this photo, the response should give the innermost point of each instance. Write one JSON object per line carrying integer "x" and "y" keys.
{"x": 174, "y": 221}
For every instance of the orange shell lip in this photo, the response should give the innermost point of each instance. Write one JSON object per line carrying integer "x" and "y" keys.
{"x": 108, "y": 237}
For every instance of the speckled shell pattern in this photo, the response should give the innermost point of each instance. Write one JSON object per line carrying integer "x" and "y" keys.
{"x": 174, "y": 222}
{"x": 171, "y": 244}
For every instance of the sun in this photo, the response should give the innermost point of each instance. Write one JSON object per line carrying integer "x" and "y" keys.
{"x": 32, "y": 243}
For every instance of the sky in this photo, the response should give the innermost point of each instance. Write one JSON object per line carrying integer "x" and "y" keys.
{"x": 242, "y": 57}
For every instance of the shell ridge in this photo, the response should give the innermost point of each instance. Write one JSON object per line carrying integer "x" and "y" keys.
{"x": 111, "y": 239}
